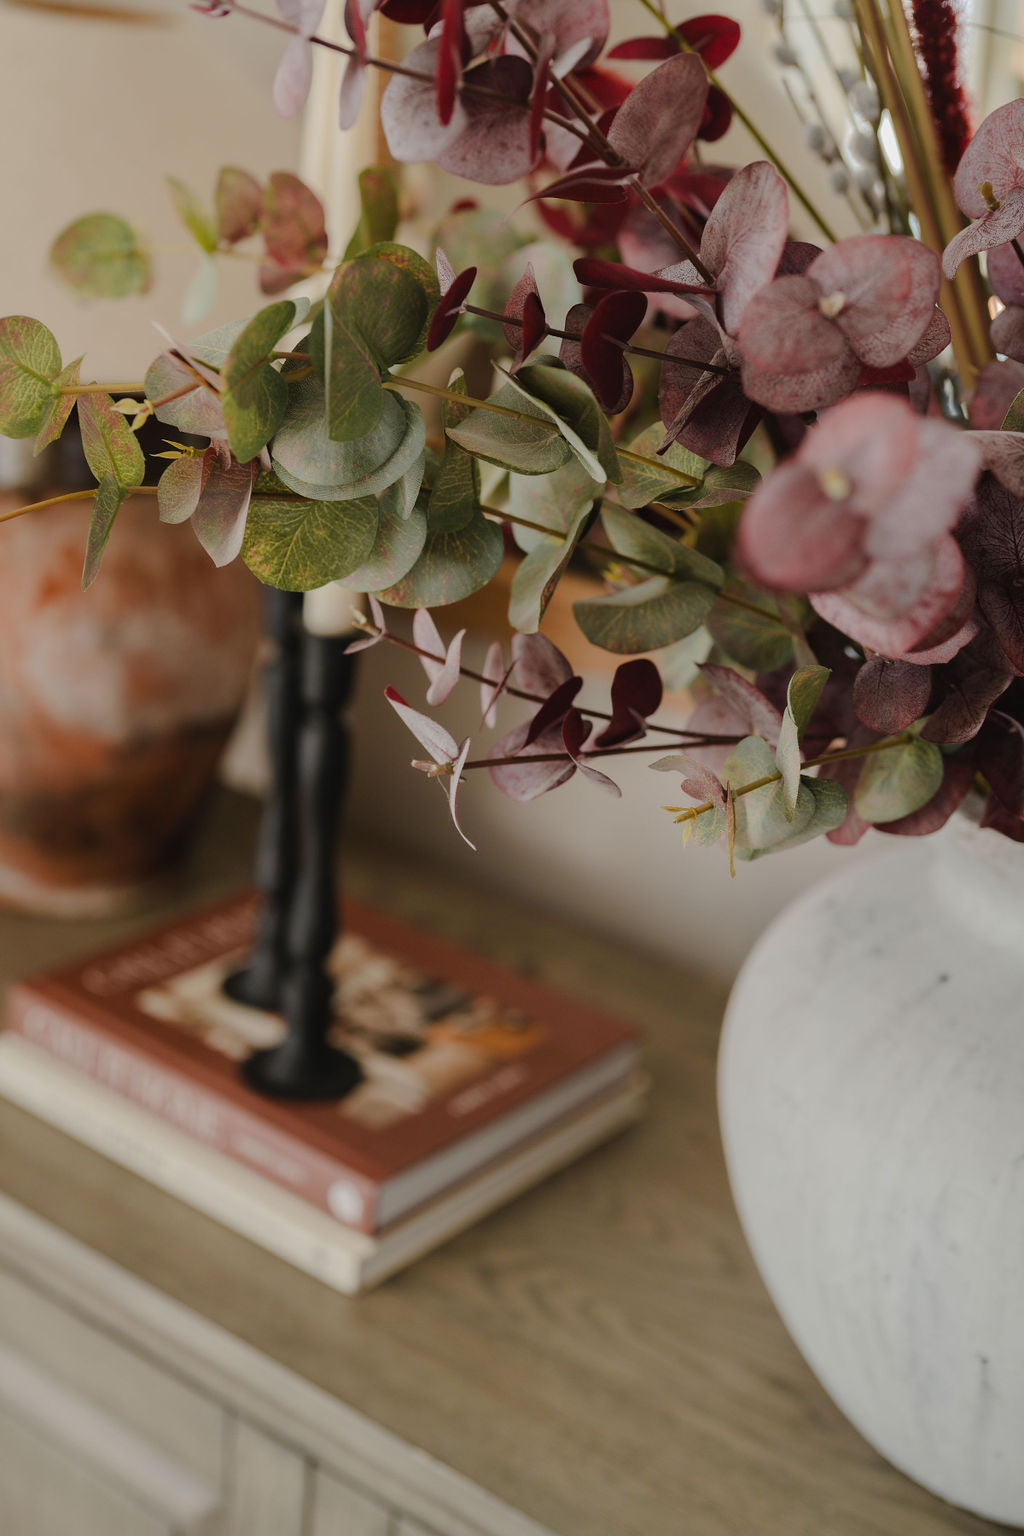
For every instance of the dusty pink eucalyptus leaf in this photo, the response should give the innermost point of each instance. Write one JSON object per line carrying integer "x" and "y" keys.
{"x": 496, "y": 674}
{"x": 658, "y": 121}
{"x": 579, "y": 29}
{"x": 889, "y": 286}
{"x": 181, "y": 485}
{"x": 441, "y": 665}
{"x": 374, "y": 637}
{"x": 294, "y": 77}
{"x": 994, "y": 228}
{"x": 540, "y": 665}
{"x": 294, "y": 231}
{"x": 351, "y": 92}
{"x": 698, "y": 780}
{"x": 494, "y": 145}
{"x": 863, "y": 507}
{"x": 897, "y": 602}
{"x": 1007, "y": 332}
{"x": 953, "y": 633}
{"x": 996, "y": 155}
{"x": 758, "y": 714}
{"x": 1004, "y": 456}
{"x": 935, "y": 339}
{"x": 441, "y": 744}
{"x": 238, "y": 201}
{"x": 575, "y": 731}
{"x": 997, "y": 387}
{"x": 222, "y": 509}
{"x": 408, "y": 110}
{"x": 525, "y": 779}
{"x": 745, "y": 236}
{"x": 1006, "y": 273}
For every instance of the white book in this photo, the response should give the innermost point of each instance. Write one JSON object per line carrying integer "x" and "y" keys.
{"x": 298, "y": 1232}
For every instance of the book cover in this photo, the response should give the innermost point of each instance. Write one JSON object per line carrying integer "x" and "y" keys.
{"x": 266, "y": 1214}
{"x": 462, "y": 1058}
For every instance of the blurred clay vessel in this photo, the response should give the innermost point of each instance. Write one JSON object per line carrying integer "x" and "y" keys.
{"x": 116, "y": 703}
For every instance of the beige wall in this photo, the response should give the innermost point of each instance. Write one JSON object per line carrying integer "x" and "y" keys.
{"x": 93, "y": 114}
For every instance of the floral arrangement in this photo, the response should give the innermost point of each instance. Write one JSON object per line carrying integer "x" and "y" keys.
{"x": 797, "y": 468}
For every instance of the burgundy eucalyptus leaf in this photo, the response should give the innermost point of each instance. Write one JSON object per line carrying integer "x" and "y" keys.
{"x": 449, "y": 308}
{"x": 526, "y": 323}
{"x": 525, "y": 779}
{"x": 745, "y": 237}
{"x": 999, "y": 755}
{"x": 636, "y": 694}
{"x": 597, "y": 272}
{"x": 575, "y": 731}
{"x": 587, "y": 184}
{"x": 702, "y": 410}
{"x": 992, "y": 537}
{"x": 718, "y": 115}
{"x": 553, "y": 710}
{"x": 452, "y": 55}
{"x": 658, "y": 121}
{"x": 603, "y": 362}
{"x": 1001, "y": 820}
{"x": 972, "y": 689}
{"x": 890, "y": 695}
{"x": 1004, "y": 456}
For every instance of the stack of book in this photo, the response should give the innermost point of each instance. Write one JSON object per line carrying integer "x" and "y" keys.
{"x": 477, "y": 1082}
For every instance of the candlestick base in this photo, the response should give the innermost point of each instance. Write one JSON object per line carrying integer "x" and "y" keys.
{"x": 294, "y": 1070}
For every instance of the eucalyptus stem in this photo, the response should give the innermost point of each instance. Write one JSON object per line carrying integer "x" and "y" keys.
{"x": 102, "y": 389}
{"x": 53, "y": 501}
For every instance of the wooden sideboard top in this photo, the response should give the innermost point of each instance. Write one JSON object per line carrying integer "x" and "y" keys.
{"x": 601, "y": 1354}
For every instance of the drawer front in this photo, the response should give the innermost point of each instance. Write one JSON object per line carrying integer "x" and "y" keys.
{"x": 69, "y": 1469}
{"x": 115, "y": 1378}
{"x": 341, "y": 1510}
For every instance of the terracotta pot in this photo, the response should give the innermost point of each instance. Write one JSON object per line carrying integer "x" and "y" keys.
{"x": 115, "y": 703}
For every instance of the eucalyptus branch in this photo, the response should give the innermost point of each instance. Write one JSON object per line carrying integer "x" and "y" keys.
{"x": 691, "y": 812}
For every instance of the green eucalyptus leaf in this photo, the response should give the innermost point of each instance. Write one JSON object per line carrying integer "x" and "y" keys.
{"x": 707, "y": 828}
{"x": 526, "y": 440}
{"x": 676, "y": 470}
{"x": 538, "y": 574}
{"x": 298, "y": 545}
{"x": 486, "y": 239}
{"x": 374, "y": 320}
{"x": 571, "y": 405}
{"x": 199, "y": 223}
{"x": 645, "y": 617}
{"x": 455, "y": 563}
{"x": 29, "y": 367}
{"x": 255, "y": 396}
{"x": 763, "y": 817}
{"x": 102, "y": 257}
{"x": 758, "y": 641}
{"x": 378, "y": 204}
{"x": 1013, "y": 421}
{"x": 109, "y": 496}
{"x": 898, "y": 780}
{"x": 311, "y": 463}
{"x": 108, "y": 442}
{"x": 401, "y": 536}
{"x": 634, "y": 539}
{"x": 723, "y": 485}
{"x": 828, "y": 811}
{"x": 802, "y": 697}
{"x": 201, "y": 293}
{"x": 553, "y": 501}
{"x": 59, "y": 406}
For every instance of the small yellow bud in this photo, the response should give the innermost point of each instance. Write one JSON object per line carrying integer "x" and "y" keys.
{"x": 832, "y": 304}
{"x": 835, "y": 483}
{"x": 988, "y": 193}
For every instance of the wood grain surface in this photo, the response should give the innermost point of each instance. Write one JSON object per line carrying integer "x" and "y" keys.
{"x": 601, "y": 1354}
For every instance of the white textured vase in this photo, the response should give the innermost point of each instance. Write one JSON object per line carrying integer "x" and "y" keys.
{"x": 871, "y": 1087}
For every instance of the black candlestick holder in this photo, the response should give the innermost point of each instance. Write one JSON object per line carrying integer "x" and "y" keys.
{"x": 309, "y": 685}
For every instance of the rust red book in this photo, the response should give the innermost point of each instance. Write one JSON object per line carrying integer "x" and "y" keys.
{"x": 463, "y": 1059}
